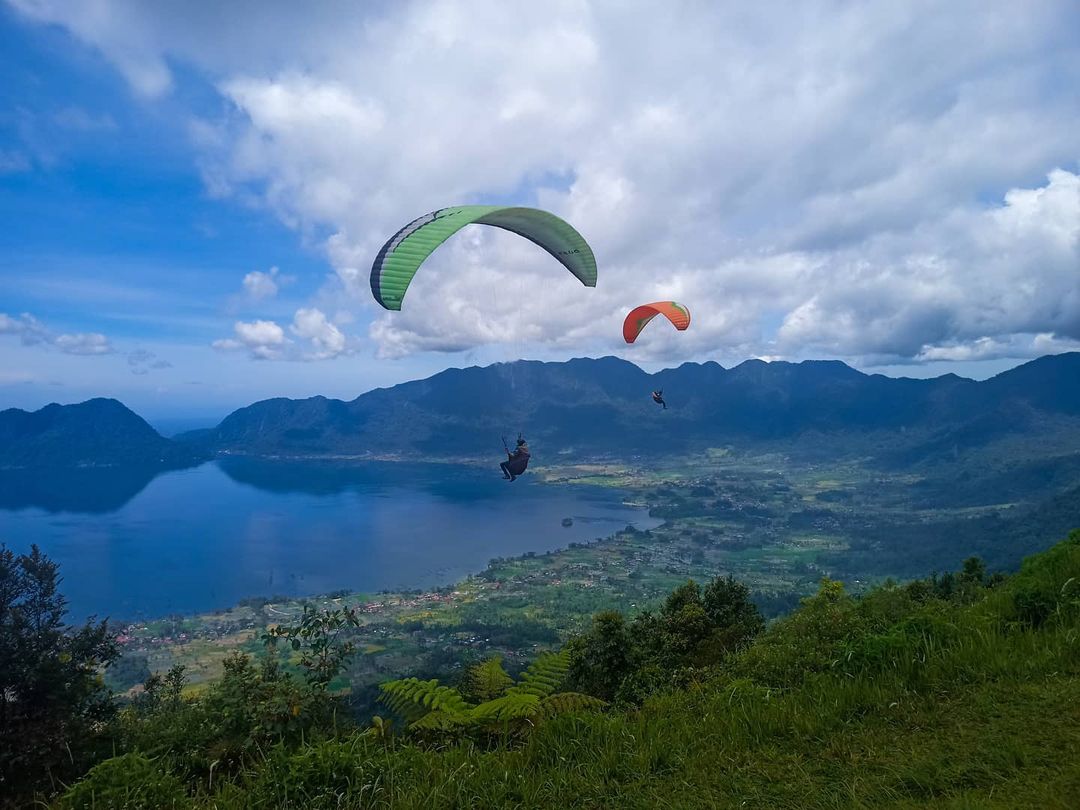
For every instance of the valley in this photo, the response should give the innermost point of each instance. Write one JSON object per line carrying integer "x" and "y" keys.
{"x": 774, "y": 522}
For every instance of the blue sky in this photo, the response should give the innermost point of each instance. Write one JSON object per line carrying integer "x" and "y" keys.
{"x": 109, "y": 228}
{"x": 184, "y": 193}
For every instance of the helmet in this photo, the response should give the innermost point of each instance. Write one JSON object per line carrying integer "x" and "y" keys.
{"x": 520, "y": 442}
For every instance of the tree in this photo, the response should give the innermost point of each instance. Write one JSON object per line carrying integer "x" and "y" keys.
{"x": 693, "y": 629}
{"x": 974, "y": 571}
{"x": 53, "y": 701}
{"x": 734, "y": 616}
{"x": 601, "y": 658}
{"x": 323, "y": 653}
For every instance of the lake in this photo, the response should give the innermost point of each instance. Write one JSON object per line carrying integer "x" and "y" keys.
{"x": 134, "y": 544}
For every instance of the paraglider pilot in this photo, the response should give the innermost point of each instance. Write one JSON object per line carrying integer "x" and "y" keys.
{"x": 658, "y": 398}
{"x": 517, "y": 460}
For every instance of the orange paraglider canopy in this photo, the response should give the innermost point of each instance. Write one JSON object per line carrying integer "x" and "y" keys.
{"x": 639, "y": 317}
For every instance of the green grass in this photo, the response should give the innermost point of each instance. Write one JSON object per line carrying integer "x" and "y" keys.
{"x": 1000, "y": 744}
{"x": 894, "y": 700}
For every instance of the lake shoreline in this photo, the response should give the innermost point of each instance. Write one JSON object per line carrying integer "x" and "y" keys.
{"x": 205, "y": 538}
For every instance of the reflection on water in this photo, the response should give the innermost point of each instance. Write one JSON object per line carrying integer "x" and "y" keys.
{"x": 80, "y": 489}
{"x": 131, "y": 544}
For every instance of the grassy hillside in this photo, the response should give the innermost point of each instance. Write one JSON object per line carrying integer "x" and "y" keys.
{"x": 958, "y": 691}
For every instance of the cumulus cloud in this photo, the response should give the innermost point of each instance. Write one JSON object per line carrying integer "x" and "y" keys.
{"x": 263, "y": 333}
{"x": 259, "y": 285}
{"x": 326, "y": 339}
{"x": 263, "y": 340}
{"x": 955, "y": 288}
{"x": 32, "y": 332}
{"x": 316, "y": 338}
{"x": 827, "y": 179}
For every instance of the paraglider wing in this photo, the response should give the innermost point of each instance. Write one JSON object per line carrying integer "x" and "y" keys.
{"x": 639, "y": 317}
{"x": 406, "y": 250}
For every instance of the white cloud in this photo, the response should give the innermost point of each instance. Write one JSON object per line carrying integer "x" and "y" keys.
{"x": 318, "y": 338}
{"x": 259, "y": 285}
{"x": 126, "y": 40}
{"x": 83, "y": 343}
{"x": 326, "y": 339}
{"x": 32, "y": 332}
{"x": 858, "y": 180}
{"x": 976, "y": 279}
{"x": 986, "y": 348}
{"x": 264, "y": 340}
{"x": 265, "y": 333}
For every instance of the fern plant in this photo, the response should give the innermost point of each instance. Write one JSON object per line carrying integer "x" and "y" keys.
{"x": 510, "y": 707}
{"x": 487, "y": 680}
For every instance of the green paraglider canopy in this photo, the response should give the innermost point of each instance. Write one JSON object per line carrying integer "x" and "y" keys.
{"x": 406, "y": 250}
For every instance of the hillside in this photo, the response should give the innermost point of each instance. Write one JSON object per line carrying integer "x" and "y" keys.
{"x": 954, "y": 691}
{"x": 95, "y": 433}
{"x": 602, "y": 407}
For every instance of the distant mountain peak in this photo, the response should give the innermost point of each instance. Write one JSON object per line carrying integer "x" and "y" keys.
{"x": 99, "y": 431}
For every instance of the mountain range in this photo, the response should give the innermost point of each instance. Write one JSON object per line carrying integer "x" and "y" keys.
{"x": 596, "y": 407}
{"x": 96, "y": 433}
{"x": 590, "y": 407}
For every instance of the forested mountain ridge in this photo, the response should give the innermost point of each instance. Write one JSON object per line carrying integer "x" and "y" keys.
{"x": 602, "y": 406}
{"x": 595, "y": 407}
{"x": 98, "y": 432}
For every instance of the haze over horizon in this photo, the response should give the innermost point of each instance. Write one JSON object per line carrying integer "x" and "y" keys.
{"x": 193, "y": 197}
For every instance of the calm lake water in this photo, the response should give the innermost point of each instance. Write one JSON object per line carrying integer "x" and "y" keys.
{"x": 134, "y": 545}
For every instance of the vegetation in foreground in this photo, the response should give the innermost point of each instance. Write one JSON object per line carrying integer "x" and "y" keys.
{"x": 957, "y": 691}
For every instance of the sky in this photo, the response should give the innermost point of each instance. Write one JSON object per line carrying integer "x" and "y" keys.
{"x": 192, "y": 193}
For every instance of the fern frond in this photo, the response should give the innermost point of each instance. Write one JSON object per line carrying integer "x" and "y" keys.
{"x": 488, "y": 680}
{"x": 412, "y": 698}
{"x": 518, "y": 706}
{"x": 544, "y": 676}
{"x": 441, "y": 721}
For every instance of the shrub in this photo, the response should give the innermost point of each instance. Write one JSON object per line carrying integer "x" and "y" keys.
{"x": 128, "y": 782}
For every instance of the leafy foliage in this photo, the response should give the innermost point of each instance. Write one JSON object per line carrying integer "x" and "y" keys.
{"x": 693, "y": 629}
{"x": 543, "y": 676}
{"x": 317, "y": 638}
{"x": 254, "y": 706}
{"x": 430, "y": 706}
{"x": 53, "y": 701}
{"x": 923, "y": 694}
{"x": 487, "y": 680}
{"x": 413, "y": 699}
{"x": 131, "y": 782}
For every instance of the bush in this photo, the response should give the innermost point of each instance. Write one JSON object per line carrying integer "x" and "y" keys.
{"x": 317, "y": 775}
{"x": 694, "y": 630}
{"x": 128, "y": 782}
{"x": 810, "y": 640}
